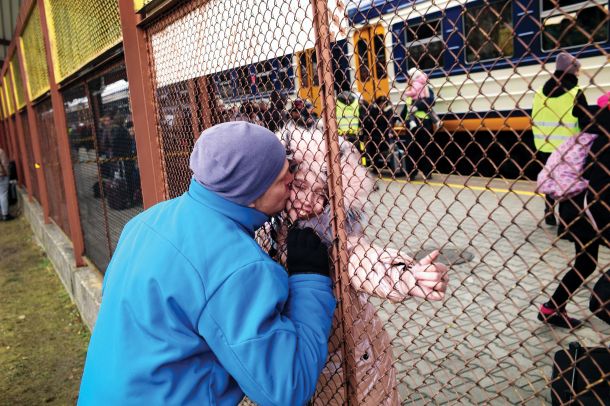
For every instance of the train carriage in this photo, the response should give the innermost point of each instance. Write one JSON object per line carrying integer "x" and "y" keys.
{"x": 484, "y": 59}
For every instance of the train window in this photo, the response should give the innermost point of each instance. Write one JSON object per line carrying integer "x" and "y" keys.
{"x": 314, "y": 68}
{"x": 424, "y": 44}
{"x": 489, "y": 31}
{"x": 380, "y": 64}
{"x": 264, "y": 77}
{"x": 573, "y": 23}
{"x": 303, "y": 69}
{"x": 363, "y": 60}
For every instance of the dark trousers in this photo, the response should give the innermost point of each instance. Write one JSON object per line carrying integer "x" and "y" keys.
{"x": 584, "y": 265}
{"x": 419, "y": 149}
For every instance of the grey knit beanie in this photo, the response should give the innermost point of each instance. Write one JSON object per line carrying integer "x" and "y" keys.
{"x": 567, "y": 63}
{"x": 237, "y": 160}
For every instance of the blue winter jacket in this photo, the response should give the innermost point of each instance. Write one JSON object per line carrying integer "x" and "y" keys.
{"x": 194, "y": 312}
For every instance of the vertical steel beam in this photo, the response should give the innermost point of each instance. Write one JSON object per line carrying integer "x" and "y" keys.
{"x": 340, "y": 254}
{"x": 35, "y": 138}
{"x": 141, "y": 86}
{"x": 61, "y": 128}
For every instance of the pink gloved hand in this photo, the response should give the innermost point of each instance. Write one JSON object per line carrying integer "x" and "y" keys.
{"x": 427, "y": 279}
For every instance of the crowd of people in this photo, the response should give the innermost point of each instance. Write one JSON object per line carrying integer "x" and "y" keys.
{"x": 391, "y": 139}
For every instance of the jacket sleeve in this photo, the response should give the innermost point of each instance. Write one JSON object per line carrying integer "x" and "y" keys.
{"x": 270, "y": 332}
{"x": 581, "y": 111}
{"x": 376, "y": 270}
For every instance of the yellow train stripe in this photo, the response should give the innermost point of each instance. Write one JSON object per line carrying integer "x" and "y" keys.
{"x": 458, "y": 186}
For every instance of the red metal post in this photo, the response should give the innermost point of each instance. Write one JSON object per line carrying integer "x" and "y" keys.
{"x": 35, "y": 138}
{"x": 76, "y": 233}
{"x": 208, "y": 110}
{"x": 340, "y": 254}
{"x": 140, "y": 78}
{"x": 21, "y": 141}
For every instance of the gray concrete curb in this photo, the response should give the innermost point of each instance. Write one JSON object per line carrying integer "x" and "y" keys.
{"x": 84, "y": 284}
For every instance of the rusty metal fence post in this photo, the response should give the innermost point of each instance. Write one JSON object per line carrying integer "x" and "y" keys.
{"x": 142, "y": 99}
{"x": 76, "y": 234}
{"x": 340, "y": 254}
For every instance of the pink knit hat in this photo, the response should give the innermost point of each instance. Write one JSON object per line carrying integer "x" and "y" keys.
{"x": 567, "y": 63}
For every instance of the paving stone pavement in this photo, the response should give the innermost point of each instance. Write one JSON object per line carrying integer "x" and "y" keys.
{"x": 483, "y": 343}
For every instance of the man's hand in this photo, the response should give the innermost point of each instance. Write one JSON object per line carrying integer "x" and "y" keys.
{"x": 306, "y": 253}
{"x": 427, "y": 279}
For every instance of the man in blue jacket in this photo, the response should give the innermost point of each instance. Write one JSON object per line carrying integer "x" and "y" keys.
{"x": 193, "y": 310}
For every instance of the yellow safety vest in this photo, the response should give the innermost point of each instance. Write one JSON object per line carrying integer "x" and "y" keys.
{"x": 348, "y": 115}
{"x": 552, "y": 119}
{"x": 422, "y": 115}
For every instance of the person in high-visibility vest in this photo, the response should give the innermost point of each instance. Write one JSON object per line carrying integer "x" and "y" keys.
{"x": 348, "y": 114}
{"x": 349, "y": 120}
{"x": 559, "y": 111}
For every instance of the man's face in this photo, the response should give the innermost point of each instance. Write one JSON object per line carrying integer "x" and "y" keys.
{"x": 274, "y": 199}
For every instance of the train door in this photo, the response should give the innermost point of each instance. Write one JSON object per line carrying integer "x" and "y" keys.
{"x": 371, "y": 62}
{"x": 309, "y": 86}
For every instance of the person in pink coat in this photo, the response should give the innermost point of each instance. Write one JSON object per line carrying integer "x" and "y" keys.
{"x": 374, "y": 270}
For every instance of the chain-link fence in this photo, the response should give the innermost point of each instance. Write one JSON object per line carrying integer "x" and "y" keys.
{"x": 435, "y": 99}
{"x": 80, "y": 31}
{"x": 409, "y": 127}
{"x": 34, "y": 56}
{"x": 31, "y": 162}
{"x": 104, "y": 160}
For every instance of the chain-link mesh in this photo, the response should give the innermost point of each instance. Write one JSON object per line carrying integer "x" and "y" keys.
{"x": 140, "y": 4}
{"x": 31, "y": 162}
{"x": 3, "y": 102}
{"x": 34, "y": 56}
{"x": 8, "y": 93}
{"x": 51, "y": 166}
{"x": 435, "y": 100}
{"x": 17, "y": 82}
{"x": 81, "y": 30}
{"x": 104, "y": 160}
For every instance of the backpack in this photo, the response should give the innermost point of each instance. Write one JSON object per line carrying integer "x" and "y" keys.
{"x": 561, "y": 177}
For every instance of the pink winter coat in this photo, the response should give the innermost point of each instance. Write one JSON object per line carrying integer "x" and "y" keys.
{"x": 418, "y": 88}
{"x": 373, "y": 270}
